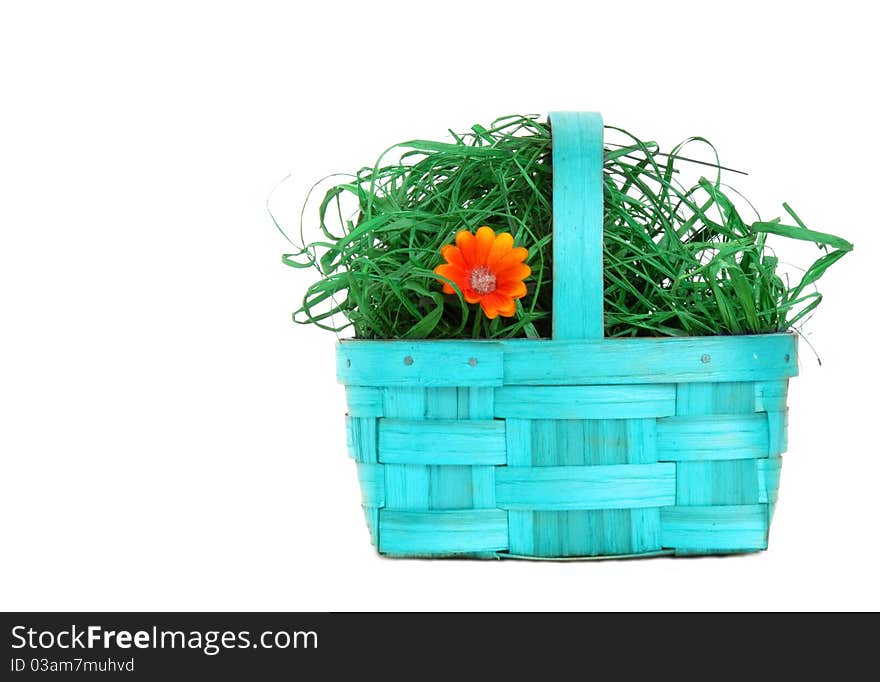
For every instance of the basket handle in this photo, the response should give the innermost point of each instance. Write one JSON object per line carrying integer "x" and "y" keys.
{"x": 577, "y": 225}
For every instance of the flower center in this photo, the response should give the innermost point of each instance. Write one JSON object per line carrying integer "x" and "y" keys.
{"x": 482, "y": 280}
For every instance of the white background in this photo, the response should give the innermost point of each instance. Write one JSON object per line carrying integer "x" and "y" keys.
{"x": 171, "y": 441}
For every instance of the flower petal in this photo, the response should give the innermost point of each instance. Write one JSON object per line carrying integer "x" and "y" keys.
{"x": 515, "y": 288}
{"x": 485, "y": 240}
{"x": 447, "y": 288}
{"x": 508, "y": 309}
{"x": 466, "y": 244}
{"x": 512, "y": 258}
{"x": 489, "y": 308}
{"x": 517, "y": 271}
{"x": 452, "y": 255}
{"x": 471, "y": 296}
{"x": 496, "y": 304}
{"x": 452, "y": 272}
{"x": 502, "y": 246}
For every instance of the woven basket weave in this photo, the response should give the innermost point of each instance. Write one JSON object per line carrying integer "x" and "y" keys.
{"x": 575, "y": 447}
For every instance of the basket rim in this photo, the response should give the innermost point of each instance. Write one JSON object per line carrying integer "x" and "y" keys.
{"x": 553, "y": 362}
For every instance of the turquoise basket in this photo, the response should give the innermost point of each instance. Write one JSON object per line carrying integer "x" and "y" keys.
{"x": 575, "y": 447}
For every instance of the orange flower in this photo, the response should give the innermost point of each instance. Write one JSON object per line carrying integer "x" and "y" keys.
{"x": 487, "y": 269}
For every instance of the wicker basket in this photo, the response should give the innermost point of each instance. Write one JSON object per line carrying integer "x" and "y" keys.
{"x": 575, "y": 447}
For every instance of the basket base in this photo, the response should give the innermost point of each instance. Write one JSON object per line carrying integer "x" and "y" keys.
{"x": 671, "y": 553}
